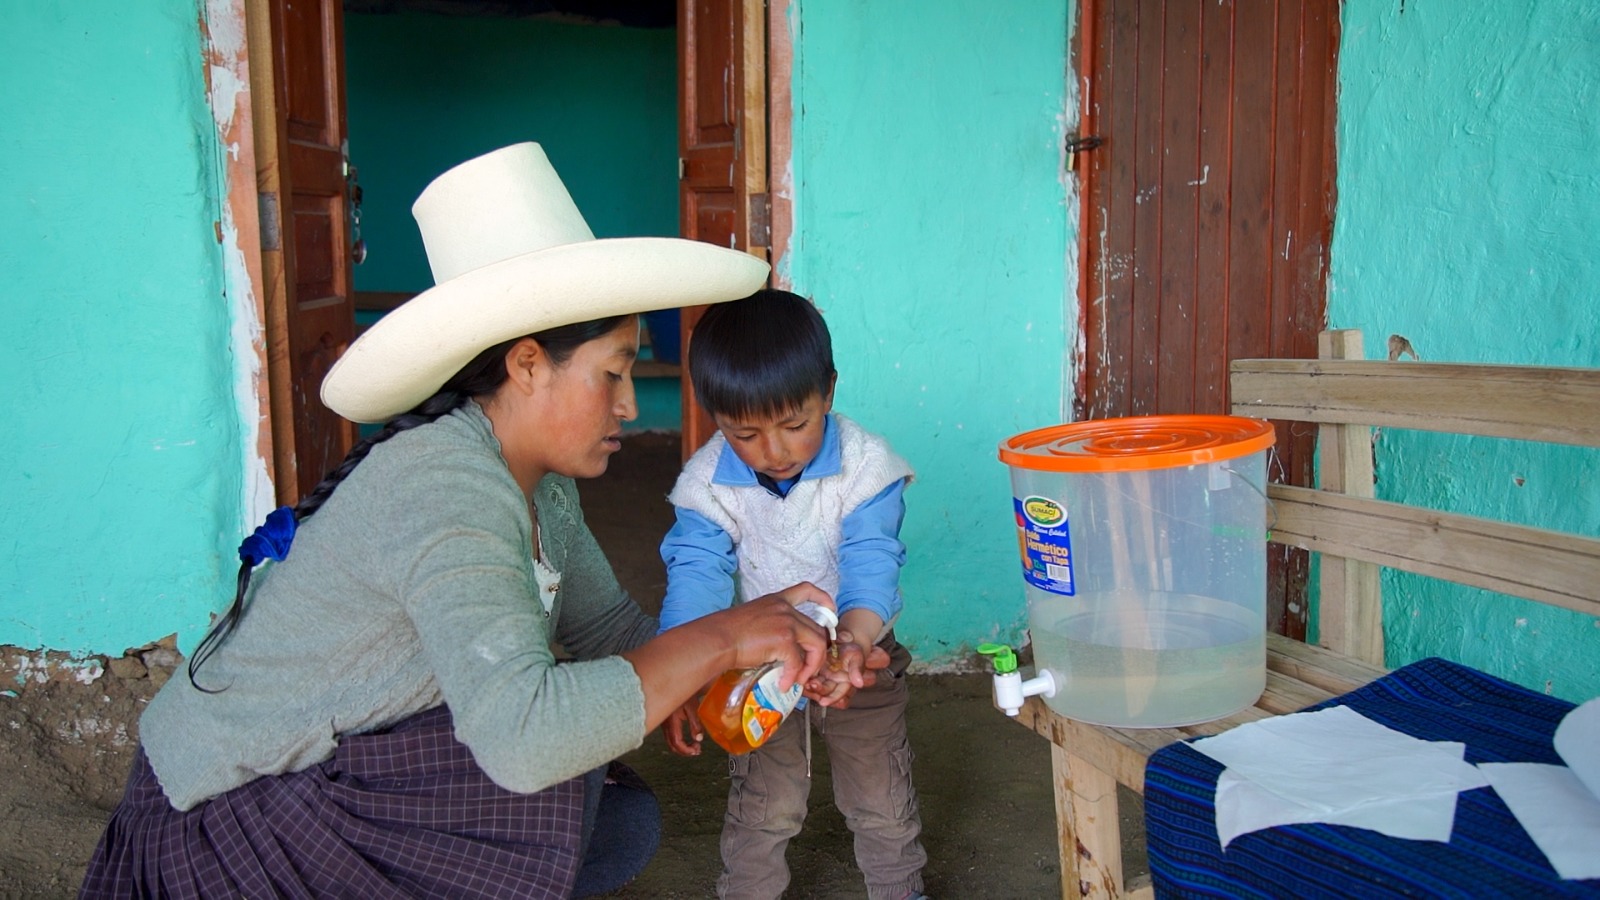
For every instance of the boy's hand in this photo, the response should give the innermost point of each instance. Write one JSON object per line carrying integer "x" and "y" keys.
{"x": 683, "y": 730}
{"x": 855, "y": 667}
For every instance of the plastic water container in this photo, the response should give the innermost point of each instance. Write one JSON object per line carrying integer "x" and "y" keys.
{"x": 1144, "y": 552}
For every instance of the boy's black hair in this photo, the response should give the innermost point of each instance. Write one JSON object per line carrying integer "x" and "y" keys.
{"x": 764, "y": 355}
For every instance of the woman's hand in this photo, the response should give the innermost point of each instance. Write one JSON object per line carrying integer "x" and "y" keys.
{"x": 683, "y": 730}
{"x": 676, "y": 664}
{"x": 805, "y": 650}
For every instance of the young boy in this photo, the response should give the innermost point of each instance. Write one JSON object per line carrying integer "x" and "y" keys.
{"x": 787, "y": 491}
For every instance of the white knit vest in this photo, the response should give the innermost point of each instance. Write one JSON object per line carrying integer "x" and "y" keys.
{"x": 781, "y": 541}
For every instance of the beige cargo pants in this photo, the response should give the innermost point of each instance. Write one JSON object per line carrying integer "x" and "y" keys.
{"x": 871, "y": 763}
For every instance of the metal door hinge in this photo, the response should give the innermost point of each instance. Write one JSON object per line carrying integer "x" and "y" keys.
{"x": 271, "y": 227}
{"x": 760, "y": 220}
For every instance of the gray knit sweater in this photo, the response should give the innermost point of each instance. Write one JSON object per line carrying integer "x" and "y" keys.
{"x": 413, "y": 586}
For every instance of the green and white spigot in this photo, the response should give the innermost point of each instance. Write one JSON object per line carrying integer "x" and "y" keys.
{"x": 1009, "y": 688}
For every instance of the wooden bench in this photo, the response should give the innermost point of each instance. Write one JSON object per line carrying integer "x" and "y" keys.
{"x": 1346, "y": 396}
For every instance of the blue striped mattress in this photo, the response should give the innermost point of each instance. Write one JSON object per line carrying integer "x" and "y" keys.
{"x": 1489, "y": 854}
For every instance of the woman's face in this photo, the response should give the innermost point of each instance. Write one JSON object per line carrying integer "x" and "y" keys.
{"x": 570, "y": 419}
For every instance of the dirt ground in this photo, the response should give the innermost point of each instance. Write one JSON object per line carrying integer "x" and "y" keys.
{"x": 68, "y": 731}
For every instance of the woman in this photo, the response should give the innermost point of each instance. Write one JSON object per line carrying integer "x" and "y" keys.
{"x": 381, "y": 711}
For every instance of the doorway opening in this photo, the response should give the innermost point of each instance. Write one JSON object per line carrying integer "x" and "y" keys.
{"x": 358, "y": 104}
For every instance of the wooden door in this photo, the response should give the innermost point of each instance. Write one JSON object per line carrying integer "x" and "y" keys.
{"x": 301, "y": 168}
{"x": 1207, "y": 210}
{"x": 722, "y": 147}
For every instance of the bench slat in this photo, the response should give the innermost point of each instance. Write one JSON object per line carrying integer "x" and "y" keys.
{"x": 1549, "y": 566}
{"x": 1557, "y": 405}
{"x": 1122, "y": 752}
{"x": 1286, "y": 695}
{"x": 1330, "y": 671}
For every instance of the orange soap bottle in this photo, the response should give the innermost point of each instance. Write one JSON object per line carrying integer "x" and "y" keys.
{"x": 743, "y": 707}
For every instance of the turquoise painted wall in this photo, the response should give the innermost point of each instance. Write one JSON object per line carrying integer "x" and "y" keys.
{"x": 1469, "y": 205}
{"x": 601, "y": 100}
{"x": 122, "y": 462}
{"x": 933, "y": 232}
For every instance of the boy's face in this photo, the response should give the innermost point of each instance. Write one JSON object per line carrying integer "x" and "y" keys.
{"x": 779, "y": 446}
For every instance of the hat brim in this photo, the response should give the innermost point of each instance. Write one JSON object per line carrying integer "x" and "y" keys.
{"x": 410, "y": 353}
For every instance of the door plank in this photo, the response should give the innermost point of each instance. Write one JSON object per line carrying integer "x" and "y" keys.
{"x": 708, "y": 204}
{"x": 1212, "y": 202}
{"x": 1285, "y": 135}
{"x": 322, "y": 311}
{"x": 1177, "y": 304}
{"x": 1249, "y": 247}
{"x": 1292, "y": 330}
{"x": 1143, "y": 391}
{"x": 721, "y": 144}
{"x": 1318, "y": 51}
{"x": 297, "y": 85}
{"x": 1110, "y": 202}
{"x": 780, "y": 134}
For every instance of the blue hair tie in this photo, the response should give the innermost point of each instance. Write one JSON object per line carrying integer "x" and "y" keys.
{"x": 272, "y": 540}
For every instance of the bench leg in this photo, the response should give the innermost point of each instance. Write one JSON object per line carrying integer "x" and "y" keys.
{"x": 1087, "y": 825}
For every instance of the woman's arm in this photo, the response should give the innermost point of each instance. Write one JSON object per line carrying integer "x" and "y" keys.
{"x": 462, "y": 570}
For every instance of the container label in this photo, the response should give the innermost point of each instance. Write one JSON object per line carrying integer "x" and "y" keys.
{"x": 1044, "y": 544}
{"x": 765, "y": 707}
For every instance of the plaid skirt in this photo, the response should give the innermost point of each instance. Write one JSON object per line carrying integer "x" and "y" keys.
{"x": 402, "y": 813}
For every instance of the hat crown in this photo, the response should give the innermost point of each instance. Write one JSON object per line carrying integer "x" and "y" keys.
{"x": 497, "y": 206}
{"x": 511, "y": 255}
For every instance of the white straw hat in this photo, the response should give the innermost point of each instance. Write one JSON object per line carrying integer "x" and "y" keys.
{"x": 511, "y": 255}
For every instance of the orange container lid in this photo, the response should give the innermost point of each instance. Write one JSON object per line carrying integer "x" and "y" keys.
{"x": 1134, "y": 444}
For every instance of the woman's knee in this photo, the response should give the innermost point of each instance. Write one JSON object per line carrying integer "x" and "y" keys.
{"x": 627, "y": 833}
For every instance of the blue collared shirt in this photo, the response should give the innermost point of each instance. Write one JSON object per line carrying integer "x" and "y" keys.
{"x": 701, "y": 560}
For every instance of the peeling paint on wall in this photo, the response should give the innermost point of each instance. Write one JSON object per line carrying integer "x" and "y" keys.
{"x": 1072, "y": 372}
{"x": 226, "y": 53}
{"x": 23, "y": 668}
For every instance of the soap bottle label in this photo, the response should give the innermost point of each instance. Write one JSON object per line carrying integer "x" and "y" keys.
{"x": 765, "y": 707}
